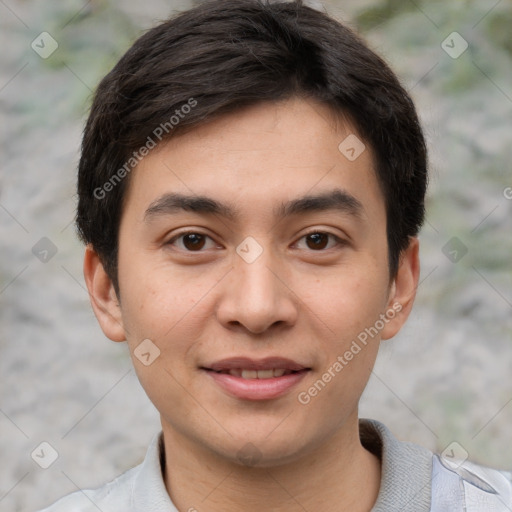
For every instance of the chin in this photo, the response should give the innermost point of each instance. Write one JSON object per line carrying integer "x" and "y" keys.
{"x": 264, "y": 451}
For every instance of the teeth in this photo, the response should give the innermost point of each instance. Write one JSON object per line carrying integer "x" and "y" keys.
{"x": 265, "y": 374}
{"x": 249, "y": 374}
{"x": 258, "y": 374}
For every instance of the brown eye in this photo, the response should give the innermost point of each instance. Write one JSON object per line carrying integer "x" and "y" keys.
{"x": 317, "y": 240}
{"x": 191, "y": 241}
{"x": 320, "y": 240}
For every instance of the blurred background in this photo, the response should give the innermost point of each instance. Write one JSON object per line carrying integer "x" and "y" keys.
{"x": 446, "y": 378}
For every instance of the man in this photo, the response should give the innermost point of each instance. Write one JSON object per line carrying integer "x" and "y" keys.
{"x": 251, "y": 187}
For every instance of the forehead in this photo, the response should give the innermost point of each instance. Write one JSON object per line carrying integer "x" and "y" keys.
{"x": 260, "y": 157}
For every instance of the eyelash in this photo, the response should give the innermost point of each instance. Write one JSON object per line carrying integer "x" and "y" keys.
{"x": 339, "y": 241}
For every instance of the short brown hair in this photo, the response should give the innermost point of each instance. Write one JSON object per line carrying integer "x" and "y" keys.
{"x": 227, "y": 54}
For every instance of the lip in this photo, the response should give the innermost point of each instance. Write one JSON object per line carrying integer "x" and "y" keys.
{"x": 256, "y": 389}
{"x": 255, "y": 364}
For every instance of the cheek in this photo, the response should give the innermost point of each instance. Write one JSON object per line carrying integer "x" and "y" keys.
{"x": 158, "y": 297}
{"x": 165, "y": 309}
{"x": 349, "y": 305}
{"x": 350, "y": 300}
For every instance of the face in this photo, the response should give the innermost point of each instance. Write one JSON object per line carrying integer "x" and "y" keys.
{"x": 256, "y": 296}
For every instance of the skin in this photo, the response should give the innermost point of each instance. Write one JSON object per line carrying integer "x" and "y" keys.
{"x": 295, "y": 301}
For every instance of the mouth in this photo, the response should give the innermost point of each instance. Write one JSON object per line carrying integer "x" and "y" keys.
{"x": 257, "y": 374}
{"x": 250, "y": 379}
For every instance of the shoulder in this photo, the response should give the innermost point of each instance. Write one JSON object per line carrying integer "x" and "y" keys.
{"x": 139, "y": 488}
{"x": 114, "y": 496}
{"x": 434, "y": 483}
{"x": 464, "y": 485}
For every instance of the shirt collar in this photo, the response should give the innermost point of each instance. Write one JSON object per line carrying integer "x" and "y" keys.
{"x": 149, "y": 492}
{"x": 406, "y": 470}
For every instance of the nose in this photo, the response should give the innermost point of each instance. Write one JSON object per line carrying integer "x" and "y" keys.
{"x": 257, "y": 295}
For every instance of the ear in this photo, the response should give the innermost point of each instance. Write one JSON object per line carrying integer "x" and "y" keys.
{"x": 403, "y": 289}
{"x": 103, "y": 296}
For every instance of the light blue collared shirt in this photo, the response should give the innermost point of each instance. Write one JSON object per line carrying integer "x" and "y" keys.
{"x": 413, "y": 479}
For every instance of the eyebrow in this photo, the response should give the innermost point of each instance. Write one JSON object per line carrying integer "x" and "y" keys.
{"x": 337, "y": 199}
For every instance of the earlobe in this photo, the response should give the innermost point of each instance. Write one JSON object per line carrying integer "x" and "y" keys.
{"x": 103, "y": 297}
{"x": 403, "y": 290}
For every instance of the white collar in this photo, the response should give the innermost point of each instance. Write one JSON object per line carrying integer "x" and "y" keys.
{"x": 405, "y": 481}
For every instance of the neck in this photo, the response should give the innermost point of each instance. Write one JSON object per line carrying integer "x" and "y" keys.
{"x": 339, "y": 475}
